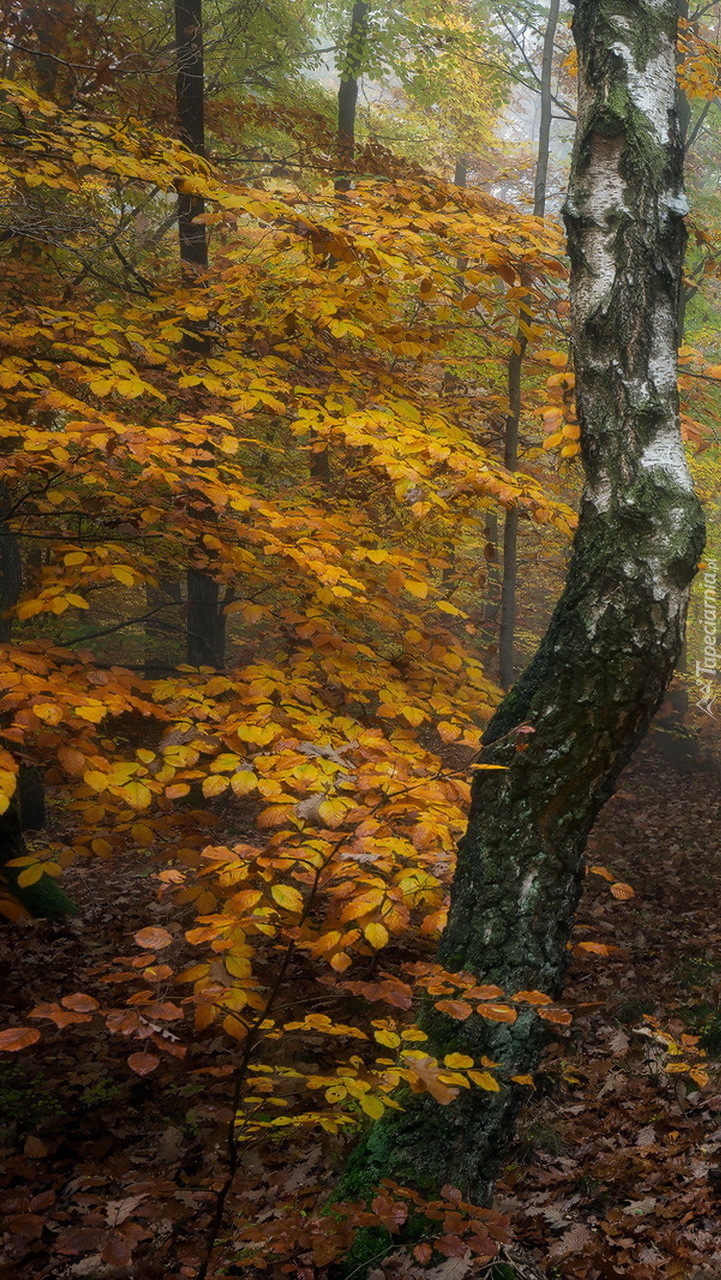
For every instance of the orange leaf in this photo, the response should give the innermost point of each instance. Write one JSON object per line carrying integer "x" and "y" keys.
{"x": 80, "y": 1003}
{"x": 560, "y": 1016}
{"x": 622, "y": 891}
{"x": 601, "y": 871}
{"x": 458, "y": 1009}
{"x": 16, "y": 1038}
{"x": 497, "y": 1012}
{"x": 531, "y": 997}
{"x": 595, "y": 949}
{"x": 154, "y": 938}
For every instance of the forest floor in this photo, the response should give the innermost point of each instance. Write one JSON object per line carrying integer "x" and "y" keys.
{"x": 616, "y": 1170}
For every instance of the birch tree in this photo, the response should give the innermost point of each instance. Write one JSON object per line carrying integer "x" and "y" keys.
{"x": 588, "y": 695}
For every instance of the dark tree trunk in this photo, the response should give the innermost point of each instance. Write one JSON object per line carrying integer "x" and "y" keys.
{"x": 190, "y": 103}
{"x": 602, "y": 667}
{"x": 206, "y": 625}
{"x": 348, "y": 88}
{"x": 206, "y": 621}
{"x": 11, "y": 580}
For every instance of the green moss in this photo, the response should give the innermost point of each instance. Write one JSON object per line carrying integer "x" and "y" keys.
{"x": 44, "y": 899}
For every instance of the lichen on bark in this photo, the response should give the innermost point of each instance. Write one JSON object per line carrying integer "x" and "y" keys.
{"x": 609, "y": 652}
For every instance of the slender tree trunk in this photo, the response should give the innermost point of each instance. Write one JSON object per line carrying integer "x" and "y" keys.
{"x": 190, "y": 105}
{"x": 515, "y": 369}
{"x": 492, "y": 603}
{"x": 350, "y": 69}
{"x": 600, "y": 671}
{"x": 348, "y": 89}
{"x": 544, "y": 130}
{"x": 206, "y": 627}
{"x": 11, "y": 578}
{"x": 460, "y": 176}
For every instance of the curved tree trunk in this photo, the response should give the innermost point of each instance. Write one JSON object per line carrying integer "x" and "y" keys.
{"x": 600, "y": 671}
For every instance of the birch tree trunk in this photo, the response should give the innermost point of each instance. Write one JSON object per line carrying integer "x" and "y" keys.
{"x": 602, "y": 667}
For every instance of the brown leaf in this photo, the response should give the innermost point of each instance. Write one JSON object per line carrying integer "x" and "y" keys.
{"x": 80, "y": 1003}
{"x": 34, "y": 1148}
{"x": 117, "y": 1251}
{"x": 26, "y": 1225}
{"x": 574, "y": 1241}
{"x": 154, "y": 938}
{"x": 16, "y": 1038}
{"x": 143, "y": 1063}
{"x": 79, "y": 1240}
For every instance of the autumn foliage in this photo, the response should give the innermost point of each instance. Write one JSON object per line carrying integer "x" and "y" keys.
{"x": 327, "y": 450}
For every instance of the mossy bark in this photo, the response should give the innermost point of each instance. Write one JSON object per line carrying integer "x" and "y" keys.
{"x": 45, "y": 898}
{"x": 601, "y": 670}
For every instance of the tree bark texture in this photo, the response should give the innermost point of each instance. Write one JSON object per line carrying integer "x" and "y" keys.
{"x": 544, "y": 128}
{"x": 190, "y": 103}
{"x": 348, "y": 88}
{"x": 206, "y": 621}
{"x": 206, "y": 625}
{"x": 601, "y": 669}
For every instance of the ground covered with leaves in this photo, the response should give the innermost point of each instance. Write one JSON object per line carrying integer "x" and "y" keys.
{"x": 616, "y": 1171}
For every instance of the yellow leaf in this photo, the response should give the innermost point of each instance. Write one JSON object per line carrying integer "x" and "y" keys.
{"x": 416, "y": 588}
{"x": 413, "y": 715}
{"x": 96, "y": 780}
{"x": 122, "y": 574}
{"x": 363, "y": 904}
{"x": 137, "y": 795}
{"x": 377, "y": 935}
{"x": 92, "y": 713}
{"x": 288, "y": 897}
{"x": 243, "y": 781}
{"x": 30, "y": 876}
{"x": 527, "y": 1080}
{"x": 332, "y": 812}
{"x": 373, "y": 1107}
{"x": 388, "y": 1038}
{"x": 458, "y": 1060}
{"x": 485, "y": 1080}
{"x": 214, "y": 785}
